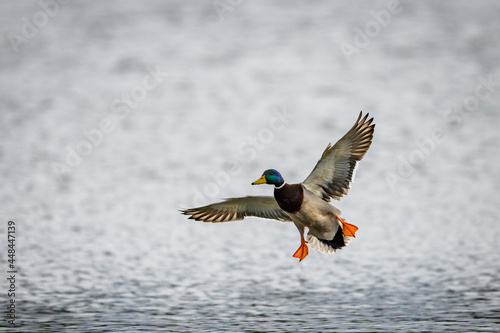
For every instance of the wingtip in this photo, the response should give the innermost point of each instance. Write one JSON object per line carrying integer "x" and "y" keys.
{"x": 364, "y": 118}
{"x": 188, "y": 212}
{"x": 370, "y": 120}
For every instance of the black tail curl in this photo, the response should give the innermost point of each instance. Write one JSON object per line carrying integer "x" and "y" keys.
{"x": 338, "y": 240}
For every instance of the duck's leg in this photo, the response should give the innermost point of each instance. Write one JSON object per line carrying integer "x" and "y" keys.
{"x": 302, "y": 251}
{"x": 348, "y": 228}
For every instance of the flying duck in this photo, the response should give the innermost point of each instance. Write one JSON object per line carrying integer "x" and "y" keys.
{"x": 305, "y": 204}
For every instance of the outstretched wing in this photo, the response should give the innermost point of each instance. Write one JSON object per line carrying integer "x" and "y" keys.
{"x": 332, "y": 174}
{"x": 234, "y": 209}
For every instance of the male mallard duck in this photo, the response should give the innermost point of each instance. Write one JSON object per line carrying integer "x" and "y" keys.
{"x": 305, "y": 204}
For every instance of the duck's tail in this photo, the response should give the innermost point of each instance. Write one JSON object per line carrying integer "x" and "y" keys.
{"x": 329, "y": 246}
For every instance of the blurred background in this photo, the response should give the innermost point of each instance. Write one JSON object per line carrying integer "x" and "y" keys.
{"x": 116, "y": 115}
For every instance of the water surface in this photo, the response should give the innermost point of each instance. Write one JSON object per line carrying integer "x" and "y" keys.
{"x": 101, "y": 246}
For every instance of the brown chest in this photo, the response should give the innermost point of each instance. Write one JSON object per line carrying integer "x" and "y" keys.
{"x": 289, "y": 197}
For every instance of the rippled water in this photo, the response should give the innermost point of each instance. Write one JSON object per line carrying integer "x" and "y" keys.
{"x": 100, "y": 244}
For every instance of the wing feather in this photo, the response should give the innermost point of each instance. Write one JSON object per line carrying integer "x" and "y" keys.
{"x": 234, "y": 209}
{"x": 335, "y": 170}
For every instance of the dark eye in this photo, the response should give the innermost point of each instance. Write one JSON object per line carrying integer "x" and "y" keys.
{"x": 271, "y": 173}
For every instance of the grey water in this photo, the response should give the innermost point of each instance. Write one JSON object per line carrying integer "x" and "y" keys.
{"x": 115, "y": 115}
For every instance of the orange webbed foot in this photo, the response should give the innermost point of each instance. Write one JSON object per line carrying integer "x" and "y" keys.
{"x": 302, "y": 251}
{"x": 348, "y": 228}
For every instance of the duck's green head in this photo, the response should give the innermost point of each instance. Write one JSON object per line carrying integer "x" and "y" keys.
{"x": 270, "y": 176}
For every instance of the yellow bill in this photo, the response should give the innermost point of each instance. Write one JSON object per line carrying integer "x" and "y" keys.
{"x": 261, "y": 180}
